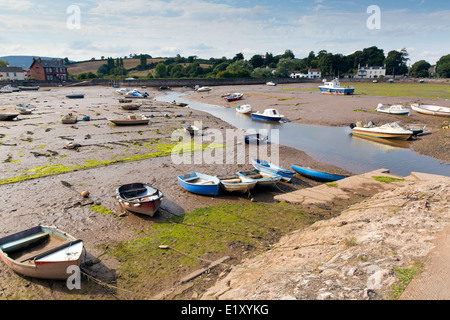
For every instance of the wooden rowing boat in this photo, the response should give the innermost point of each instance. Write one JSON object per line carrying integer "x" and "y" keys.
{"x": 200, "y": 183}
{"x": 235, "y": 182}
{"x": 317, "y": 175}
{"x": 69, "y": 118}
{"x": 139, "y": 198}
{"x": 265, "y": 166}
{"x": 262, "y": 179}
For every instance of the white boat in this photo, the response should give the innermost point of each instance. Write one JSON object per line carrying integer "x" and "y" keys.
{"x": 268, "y": 115}
{"x": 123, "y": 90}
{"x": 431, "y": 109}
{"x": 25, "y": 109}
{"x": 334, "y": 87}
{"x": 271, "y": 83}
{"x": 393, "y": 109}
{"x": 246, "y": 108}
{"x": 203, "y": 89}
{"x": 387, "y": 131}
{"x": 235, "y": 182}
{"x": 7, "y": 115}
{"x": 8, "y": 88}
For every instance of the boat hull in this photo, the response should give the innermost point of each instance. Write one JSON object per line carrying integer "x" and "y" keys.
{"x": 317, "y": 175}
{"x": 75, "y": 96}
{"x": 8, "y": 116}
{"x": 126, "y": 122}
{"x": 139, "y": 198}
{"x": 256, "y": 138}
{"x": 265, "y": 118}
{"x": 432, "y": 110}
{"x": 382, "y": 135}
{"x": 236, "y": 183}
{"x": 200, "y": 184}
{"x": 339, "y": 91}
{"x": 286, "y": 175}
{"x": 263, "y": 179}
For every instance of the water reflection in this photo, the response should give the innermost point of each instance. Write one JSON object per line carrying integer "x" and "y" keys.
{"x": 333, "y": 145}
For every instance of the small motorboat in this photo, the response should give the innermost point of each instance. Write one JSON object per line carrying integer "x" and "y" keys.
{"x": 136, "y": 94}
{"x": 69, "y": 118}
{"x": 236, "y": 182}
{"x": 387, "y": 131}
{"x": 8, "y": 89}
{"x": 41, "y": 252}
{"x": 263, "y": 179}
{"x": 8, "y": 115}
{"x": 334, "y": 87}
{"x": 431, "y": 109}
{"x": 271, "y": 83}
{"x": 191, "y": 130}
{"x": 318, "y": 175}
{"x": 123, "y": 90}
{"x": 234, "y": 96}
{"x": 200, "y": 183}
{"x": 393, "y": 109}
{"x": 25, "y": 109}
{"x": 265, "y": 166}
{"x": 246, "y": 108}
{"x": 256, "y": 138}
{"x": 75, "y": 96}
{"x": 139, "y": 198}
{"x": 268, "y": 115}
{"x": 202, "y": 89}
{"x": 131, "y": 120}
{"x": 417, "y": 129}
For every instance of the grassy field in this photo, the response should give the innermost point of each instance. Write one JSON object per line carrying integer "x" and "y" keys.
{"x": 92, "y": 66}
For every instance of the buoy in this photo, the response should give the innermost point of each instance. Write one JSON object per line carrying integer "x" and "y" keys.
{"x": 85, "y": 194}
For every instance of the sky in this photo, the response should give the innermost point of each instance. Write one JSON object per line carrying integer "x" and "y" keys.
{"x": 85, "y": 29}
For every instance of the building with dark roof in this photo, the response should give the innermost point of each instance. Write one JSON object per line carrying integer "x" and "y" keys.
{"x": 48, "y": 70}
{"x": 12, "y": 73}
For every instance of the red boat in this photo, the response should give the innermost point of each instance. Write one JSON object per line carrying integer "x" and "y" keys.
{"x": 234, "y": 97}
{"x": 139, "y": 198}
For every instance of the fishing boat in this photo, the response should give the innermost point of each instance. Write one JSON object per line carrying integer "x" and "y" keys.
{"x": 387, "y": 131}
{"x": 317, "y": 175}
{"x": 69, "y": 118}
{"x": 8, "y": 115}
{"x": 265, "y": 166}
{"x": 139, "y": 198}
{"x": 234, "y": 96}
{"x": 191, "y": 130}
{"x": 334, "y": 87}
{"x": 431, "y": 109}
{"x": 41, "y": 252}
{"x": 263, "y": 179}
{"x": 235, "y": 182}
{"x": 393, "y": 109}
{"x": 75, "y": 96}
{"x": 131, "y": 120}
{"x": 200, "y": 183}
{"x": 268, "y": 115}
{"x": 246, "y": 108}
{"x": 202, "y": 89}
{"x": 256, "y": 138}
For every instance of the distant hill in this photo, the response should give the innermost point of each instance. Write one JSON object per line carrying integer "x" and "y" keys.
{"x": 22, "y": 61}
{"x": 93, "y": 65}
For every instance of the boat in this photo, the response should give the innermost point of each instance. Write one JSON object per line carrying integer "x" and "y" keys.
{"x": 8, "y": 115}
{"x": 263, "y": 179}
{"x": 27, "y": 109}
{"x": 235, "y": 182}
{"x": 417, "y": 129}
{"x": 192, "y": 130}
{"x": 131, "y": 120}
{"x": 123, "y": 90}
{"x": 41, "y": 252}
{"x": 387, "y": 131}
{"x": 8, "y": 89}
{"x": 139, "y": 198}
{"x": 246, "y": 108}
{"x": 200, "y": 183}
{"x": 234, "y": 96}
{"x": 26, "y": 88}
{"x": 178, "y": 104}
{"x": 431, "y": 109}
{"x": 393, "y": 109}
{"x": 271, "y": 83}
{"x": 125, "y": 100}
{"x": 202, "y": 89}
{"x": 135, "y": 94}
{"x": 256, "y": 138}
{"x": 265, "y": 166}
{"x": 334, "y": 87}
{"x": 75, "y": 96}
{"x": 69, "y": 118}
{"x": 131, "y": 106}
{"x": 267, "y": 115}
{"x": 318, "y": 175}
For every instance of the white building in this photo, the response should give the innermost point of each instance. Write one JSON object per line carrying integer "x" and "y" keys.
{"x": 312, "y": 74}
{"x": 371, "y": 72}
{"x": 12, "y": 73}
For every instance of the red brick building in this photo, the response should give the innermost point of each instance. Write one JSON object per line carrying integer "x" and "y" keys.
{"x": 48, "y": 70}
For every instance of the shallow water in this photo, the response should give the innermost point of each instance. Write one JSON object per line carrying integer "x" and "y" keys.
{"x": 332, "y": 145}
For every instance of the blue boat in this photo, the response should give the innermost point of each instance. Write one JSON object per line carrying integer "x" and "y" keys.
{"x": 265, "y": 166}
{"x": 318, "y": 175}
{"x": 268, "y": 115}
{"x": 200, "y": 183}
{"x": 261, "y": 178}
{"x": 334, "y": 87}
{"x": 256, "y": 138}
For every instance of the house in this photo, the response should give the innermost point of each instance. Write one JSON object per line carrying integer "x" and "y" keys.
{"x": 48, "y": 70}
{"x": 12, "y": 73}
{"x": 371, "y": 72}
{"x": 314, "y": 73}
{"x": 298, "y": 74}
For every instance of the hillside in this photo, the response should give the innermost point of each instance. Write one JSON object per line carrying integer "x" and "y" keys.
{"x": 22, "y": 61}
{"x": 92, "y": 66}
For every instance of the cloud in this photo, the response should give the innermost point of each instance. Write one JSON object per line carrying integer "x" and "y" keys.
{"x": 16, "y": 5}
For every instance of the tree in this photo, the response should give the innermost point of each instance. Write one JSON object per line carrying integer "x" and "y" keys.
{"x": 420, "y": 69}
{"x": 288, "y": 54}
{"x": 261, "y": 73}
{"x": 238, "y": 56}
{"x": 3, "y": 63}
{"x": 372, "y": 57}
{"x": 396, "y": 62}
{"x": 240, "y": 65}
{"x": 443, "y": 66}
{"x": 285, "y": 66}
{"x": 160, "y": 70}
{"x": 256, "y": 61}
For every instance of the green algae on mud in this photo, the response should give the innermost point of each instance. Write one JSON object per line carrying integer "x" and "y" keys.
{"x": 160, "y": 150}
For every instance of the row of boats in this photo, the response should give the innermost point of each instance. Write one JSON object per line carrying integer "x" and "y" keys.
{"x": 8, "y": 88}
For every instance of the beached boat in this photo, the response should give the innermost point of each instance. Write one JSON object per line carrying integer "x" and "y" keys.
{"x": 416, "y": 128}
{"x": 41, "y": 252}
{"x": 268, "y": 115}
{"x": 393, "y": 109}
{"x": 263, "y": 179}
{"x": 387, "y": 131}
{"x": 8, "y": 89}
{"x": 235, "y": 182}
{"x": 8, "y": 115}
{"x": 234, "y": 96}
{"x": 75, "y": 96}
{"x": 131, "y": 120}
{"x": 178, "y": 104}
{"x": 202, "y": 89}
{"x": 123, "y": 90}
{"x": 136, "y": 94}
{"x": 25, "y": 109}
{"x": 131, "y": 106}
{"x": 246, "y": 108}
{"x": 317, "y": 175}
{"x": 271, "y": 83}
{"x": 200, "y": 183}
{"x": 191, "y": 130}
{"x": 431, "y": 109}
{"x": 256, "y": 138}
{"x": 265, "y": 166}
{"x": 69, "y": 118}
{"x": 26, "y": 88}
{"x": 139, "y": 198}
{"x": 334, "y": 87}
{"x": 125, "y": 100}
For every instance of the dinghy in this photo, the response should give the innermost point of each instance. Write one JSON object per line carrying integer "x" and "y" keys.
{"x": 236, "y": 182}
{"x": 75, "y": 96}
{"x": 431, "y": 109}
{"x": 8, "y": 115}
{"x": 246, "y": 108}
{"x": 41, "y": 252}
{"x": 265, "y": 166}
{"x": 317, "y": 175}
{"x": 131, "y": 120}
{"x": 256, "y": 138}
{"x": 191, "y": 130}
{"x": 261, "y": 178}
{"x": 139, "y": 198}
{"x": 268, "y": 115}
{"x": 69, "y": 118}
{"x": 394, "y": 109}
{"x": 200, "y": 183}
{"x": 234, "y": 96}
